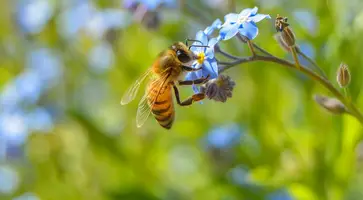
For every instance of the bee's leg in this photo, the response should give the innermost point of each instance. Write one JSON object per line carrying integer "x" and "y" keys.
{"x": 191, "y": 69}
{"x": 190, "y": 100}
{"x": 196, "y": 81}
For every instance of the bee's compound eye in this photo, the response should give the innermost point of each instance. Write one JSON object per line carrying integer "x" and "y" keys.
{"x": 182, "y": 56}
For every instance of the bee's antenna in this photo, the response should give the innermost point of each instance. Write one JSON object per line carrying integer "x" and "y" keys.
{"x": 191, "y": 40}
{"x": 198, "y": 46}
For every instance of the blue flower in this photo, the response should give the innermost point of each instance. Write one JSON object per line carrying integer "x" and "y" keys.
{"x": 32, "y": 16}
{"x": 281, "y": 194}
{"x": 244, "y": 23}
{"x": 224, "y": 136}
{"x": 215, "y": 25}
{"x": 9, "y": 180}
{"x": 150, "y": 5}
{"x": 206, "y": 59}
{"x": 14, "y": 127}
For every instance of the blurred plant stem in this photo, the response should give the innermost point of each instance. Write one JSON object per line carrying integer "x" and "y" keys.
{"x": 232, "y": 5}
{"x": 353, "y": 110}
{"x": 311, "y": 61}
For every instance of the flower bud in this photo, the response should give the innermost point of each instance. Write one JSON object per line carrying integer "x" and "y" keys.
{"x": 281, "y": 42}
{"x": 331, "y": 104}
{"x": 343, "y": 75}
{"x": 219, "y": 89}
{"x": 287, "y": 35}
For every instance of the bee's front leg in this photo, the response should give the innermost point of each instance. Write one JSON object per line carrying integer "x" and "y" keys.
{"x": 190, "y": 100}
{"x": 196, "y": 81}
{"x": 191, "y": 69}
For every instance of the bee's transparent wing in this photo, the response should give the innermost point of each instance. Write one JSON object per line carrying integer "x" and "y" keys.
{"x": 144, "y": 108}
{"x": 134, "y": 88}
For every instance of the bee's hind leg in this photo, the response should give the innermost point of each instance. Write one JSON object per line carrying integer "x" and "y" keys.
{"x": 190, "y": 100}
{"x": 196, "y": 81}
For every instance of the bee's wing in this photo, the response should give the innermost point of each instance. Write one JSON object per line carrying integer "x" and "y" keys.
{"x": 132, "y": 91}
{"x": 144, "y": 108}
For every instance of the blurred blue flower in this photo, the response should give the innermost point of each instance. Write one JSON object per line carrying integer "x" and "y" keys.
{"x": 75, "y": 18}
{"x": 239, "y": 175}
{"x": 33, "y": 15}
{"x": 9, "y": 180}
{"x": 244, "y": 23}
{"x": 48, "y": 66}
{"x": 14, "y": 127}
{"x": 150, "y": 5}
{"x": 206, "y": 59}
{"x": 10, "y": 97}
{"x": 39, "y": 120}
{"x": 107, "y": 19}
{"x": 101, "y": 57}
{"x": 29, "y": 86}
{"x": 215, "y": 25}
{"x": 2, "y": 148}
{"x": 308, "y": 50}
{"x": 224, "y": 136}
{"x": 25, "y": 88}
{"x": 307, "y": 20}
{"x": 280, "y": 195}
{"x": 27, "y": 196}
{"x": 131, "y": 4}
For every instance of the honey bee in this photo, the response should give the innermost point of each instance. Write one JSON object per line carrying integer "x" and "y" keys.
{"x": 163, "y": 75}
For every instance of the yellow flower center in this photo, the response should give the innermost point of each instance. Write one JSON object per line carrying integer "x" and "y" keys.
{"x": 201, "y": 57}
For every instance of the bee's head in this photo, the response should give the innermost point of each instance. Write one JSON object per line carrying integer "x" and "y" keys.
{"x": 183, "y": 53}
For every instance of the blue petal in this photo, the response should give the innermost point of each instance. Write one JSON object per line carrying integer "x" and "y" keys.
{"x": 231, "y": 18}
{"x": 195, "y": 89}
{"x": 249, "y": 30}
{"x": 249, "y": 12}
{"x": 212, "y": 42}
{"x": 190, "y": 76}
{"x": 202, "y": 37}
{"x": 214, "y": 68}
{"x": 259, "y": 17}
{"x": 216, "y": 25}
{"x": 209, "y": 53}
{"x": 229, "y": 31}
{"x": 209, "y": 69}
{"x": 193, "y": 76}
{"x": 199, "y": 73}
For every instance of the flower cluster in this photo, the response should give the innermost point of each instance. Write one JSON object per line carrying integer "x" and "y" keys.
{"x": 146, "y": 11}
{"x": 21, "y": 114}
{"x": 243, "y": 23}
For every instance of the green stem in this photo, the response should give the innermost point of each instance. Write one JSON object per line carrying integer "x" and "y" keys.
{"x": 353, "y": 110}
{"x": 296, "y": 59}
{"x": 312, "y": 62}
{"x": 250, "y": 46}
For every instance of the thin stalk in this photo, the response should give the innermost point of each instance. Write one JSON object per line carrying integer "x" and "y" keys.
{"x": 312, "y": 62}
{"x": 296, "y": 58}
{"x": 227, "y": 55}
{"x": 326, "y": 83}
{"x": 250, "y": 46}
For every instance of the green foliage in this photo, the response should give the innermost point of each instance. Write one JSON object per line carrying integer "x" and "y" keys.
{"x": 288, "y": 142}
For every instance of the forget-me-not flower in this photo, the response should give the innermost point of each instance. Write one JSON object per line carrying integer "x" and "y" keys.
{"x": 243, "y": 23}
{"x": 206, "y": 59}
{"x": 217, "y": 24}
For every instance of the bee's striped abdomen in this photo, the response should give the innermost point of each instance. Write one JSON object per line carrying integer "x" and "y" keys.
{"x": 163, "y": 108}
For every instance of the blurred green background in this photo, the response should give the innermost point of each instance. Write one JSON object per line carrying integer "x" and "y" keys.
{"x": 64, "y": 66}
